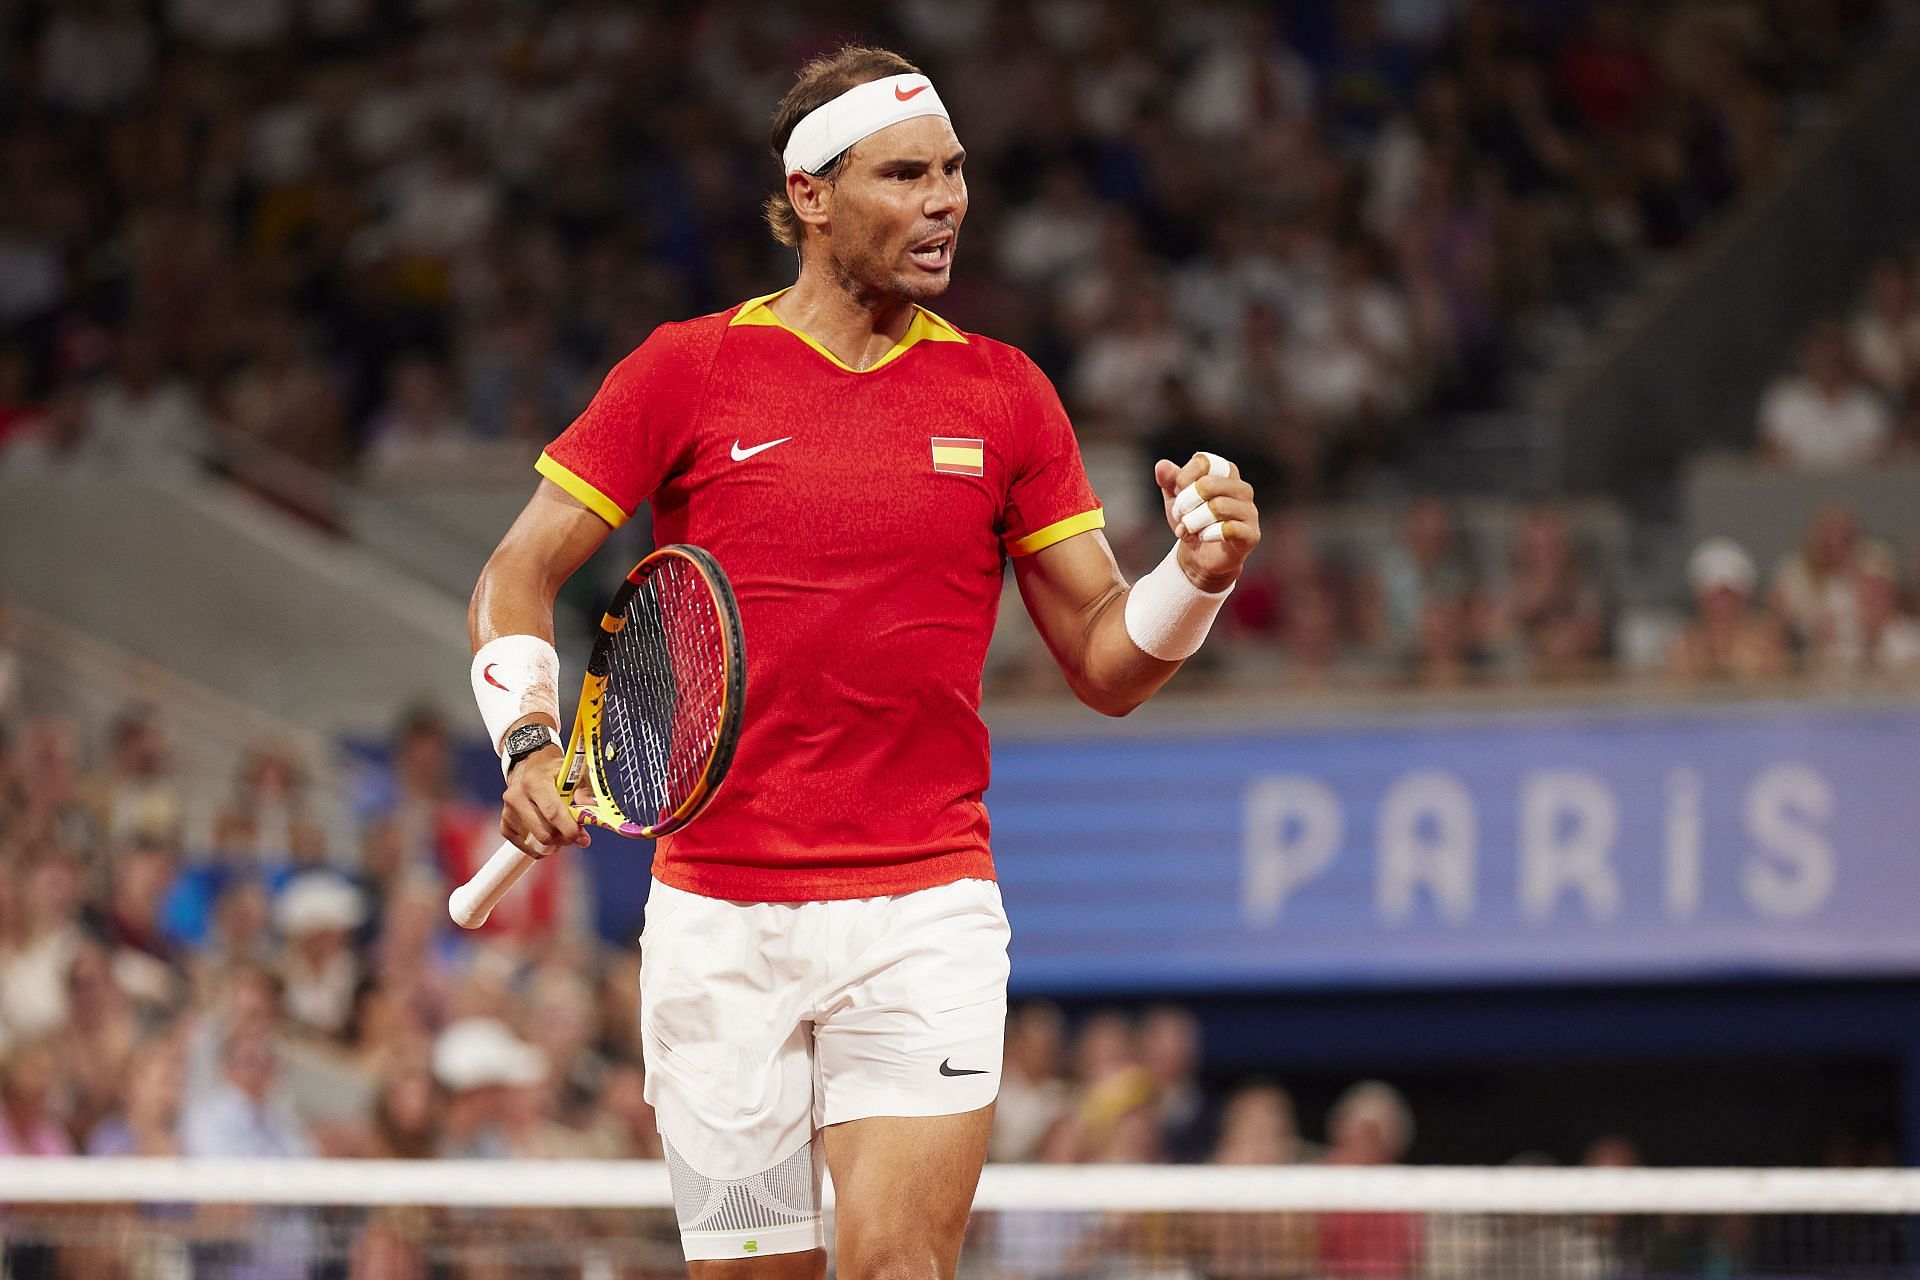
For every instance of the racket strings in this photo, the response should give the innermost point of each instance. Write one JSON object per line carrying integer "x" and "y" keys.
{"x": 665, "y": 693}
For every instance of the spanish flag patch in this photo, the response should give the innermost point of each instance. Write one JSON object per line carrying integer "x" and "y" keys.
{"x": 958, "y": 456}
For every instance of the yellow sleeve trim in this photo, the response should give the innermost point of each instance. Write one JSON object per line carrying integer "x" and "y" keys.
{"x": 1058, "y": 531}
{"x": 595, "y": 501}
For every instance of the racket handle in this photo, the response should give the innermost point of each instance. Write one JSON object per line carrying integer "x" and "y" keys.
{"x": 475, "y": 900}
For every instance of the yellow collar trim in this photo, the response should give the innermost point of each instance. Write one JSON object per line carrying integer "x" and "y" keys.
{"x": 924, "y": 327}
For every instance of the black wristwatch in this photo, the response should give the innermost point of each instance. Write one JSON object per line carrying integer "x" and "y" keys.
{"x": 523, "y": 742}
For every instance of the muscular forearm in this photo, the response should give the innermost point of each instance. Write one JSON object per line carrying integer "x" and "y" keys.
{"x": 514, "y": 596}
{"x": 1114, "y": 675}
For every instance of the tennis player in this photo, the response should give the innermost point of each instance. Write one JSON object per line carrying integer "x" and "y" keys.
{"x": 824, "y": 963}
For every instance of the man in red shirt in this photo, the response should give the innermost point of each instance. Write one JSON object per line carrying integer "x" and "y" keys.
{"x": 825, "y": 950}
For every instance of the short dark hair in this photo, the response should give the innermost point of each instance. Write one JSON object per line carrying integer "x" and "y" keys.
{"x": 818, "y": 83}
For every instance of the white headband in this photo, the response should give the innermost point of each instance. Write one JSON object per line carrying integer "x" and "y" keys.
{"x": 865, "y": 109}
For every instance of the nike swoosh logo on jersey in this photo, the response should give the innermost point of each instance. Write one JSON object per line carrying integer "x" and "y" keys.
{"x": 909, "y": 93}
{"x": 948, "y": 1069}
{"x": 741, "y": 455}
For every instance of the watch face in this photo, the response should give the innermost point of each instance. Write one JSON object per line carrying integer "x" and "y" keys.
{"x": 528, "y": 737}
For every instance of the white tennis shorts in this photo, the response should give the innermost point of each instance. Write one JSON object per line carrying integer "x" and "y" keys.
{"x": 764, "y": 1021}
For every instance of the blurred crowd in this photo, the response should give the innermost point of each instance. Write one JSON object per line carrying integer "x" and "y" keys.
{"x": 300, "y": 239}
{"x": 398, "y": 238}
{"x": 1854, "y": 400}
{"x": 203, "y": 974}
{"x": 1446, "y": 595}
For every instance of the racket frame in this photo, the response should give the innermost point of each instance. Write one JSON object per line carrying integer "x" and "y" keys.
{"x": 585, "y": 761}
{"x": 586, "y": 750}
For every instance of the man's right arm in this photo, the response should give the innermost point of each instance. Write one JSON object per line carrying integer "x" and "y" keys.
{"x": 551, "y": 539}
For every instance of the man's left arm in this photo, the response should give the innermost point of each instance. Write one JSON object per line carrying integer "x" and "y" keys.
{"x": 1117, "y": 643}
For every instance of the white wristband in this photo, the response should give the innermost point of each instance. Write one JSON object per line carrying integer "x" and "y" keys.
{"x": 514, "y": 677}
{"x": 1167, "y": 616}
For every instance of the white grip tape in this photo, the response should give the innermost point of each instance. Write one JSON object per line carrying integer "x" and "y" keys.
{"x": 1215, "y": 532}
{"x": 475, "y": 900}
{"x": 514, "y": 677}
{"x": 1216, "y": 465}
{"x": 1167, "y": 616}
{"x": 1188, "y": 499}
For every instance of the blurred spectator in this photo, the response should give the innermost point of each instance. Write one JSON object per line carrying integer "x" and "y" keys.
{"x": 1889, "y": 635}
{"x": 1555, "y": 605}
{"x": 1246, "y": 80}
{"x": 245, "y": 1112}
{"x": 137, "y": 795}
{"x": 29, "y": 1126}
{"x": 1170, "y": 1051}
{"x": 1607, "y": 71}
{"x": 627, "y": 1129}
{"x": 140, "y": 418}
{"x": 269, "y": 822}
{"x": 1826, "y": 417}
{"x": 99, "y": 1039}
{"x": 317, "y": 914}
{"x": 147, "y": 964}
{"x": 1816, "y": 590}
{"x": 247, "y": 1001}
{"x": 1730, "y": 638}
{"x": 483, "y": 1066}
{"x": 406, "y": 1117}
{"x": 562, "y": 1029}
{"x": 1257, "y": 1126}
{"x": 1122, "y": 369}
{"x": 148, "y": 1123}
{"x": 1104, "y": 1047}
{"x": 416, "y": 432}
{"x": 1423, "y": 598}
{"x": 1033, "y": 1095}
{"x": 1119, "y": 1121}
{"x": 415, "y": 790}
{"x": 1370, "y": 1124}
{"x": 1886, "y": 337}
{"x": 43, "y": 935}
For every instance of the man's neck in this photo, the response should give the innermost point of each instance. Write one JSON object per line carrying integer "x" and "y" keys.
{"x": 857, "y": 325}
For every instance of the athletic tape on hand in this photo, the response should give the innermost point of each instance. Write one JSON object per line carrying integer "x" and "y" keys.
{"x": 1201, "y": 517}
{"x": 1194, "y": 512}
{"x": 1188, "y": 499}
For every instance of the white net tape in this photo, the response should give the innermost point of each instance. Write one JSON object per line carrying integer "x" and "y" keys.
{"x": 590, "y": 1184}
{"x": 479, "y": 1220}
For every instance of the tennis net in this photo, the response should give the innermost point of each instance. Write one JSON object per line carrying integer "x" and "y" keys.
{"x": 479, "y": 1220}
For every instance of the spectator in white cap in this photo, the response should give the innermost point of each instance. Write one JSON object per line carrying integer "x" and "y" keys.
{"x": 481, "y": 1063}
{"x": 1731, "y": 637}
{"x": 318, "y": 913}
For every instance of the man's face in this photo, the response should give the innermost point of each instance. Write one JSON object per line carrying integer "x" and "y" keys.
{"x": 896, "y": 208}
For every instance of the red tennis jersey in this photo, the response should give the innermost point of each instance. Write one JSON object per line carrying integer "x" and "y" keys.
{"x": 864, "y": 519}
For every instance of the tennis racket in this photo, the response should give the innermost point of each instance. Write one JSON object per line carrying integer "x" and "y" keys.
{"x": 658, "y": 719}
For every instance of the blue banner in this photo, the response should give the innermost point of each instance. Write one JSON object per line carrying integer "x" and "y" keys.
{"x": 1716, "y": 842}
